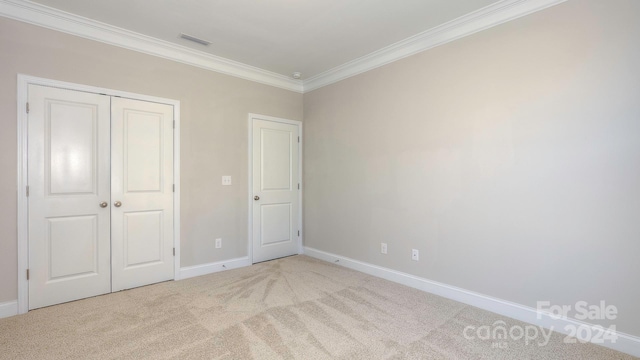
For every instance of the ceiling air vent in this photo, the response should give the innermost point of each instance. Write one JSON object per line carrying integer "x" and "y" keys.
{"x": 195, "y": 39}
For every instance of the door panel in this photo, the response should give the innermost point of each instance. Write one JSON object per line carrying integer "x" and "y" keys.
{"x": 275, "y": 164}
{"x": 142, "y": 238}
{"x": 142, "y": 181}
{"x": 69, "y": 245}
{"x": 143, "y": 148}
{"x": 276, "y": 223}
{"x": 73, "y": 143}
{"x": 275, "y": 183}
{"x": 72, "y": 237}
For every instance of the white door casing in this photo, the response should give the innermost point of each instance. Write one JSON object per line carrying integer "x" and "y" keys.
{"x": 275, "y": 188}
{"x": 141, "y": 193}
{"x": 24, "y": 82}
{"x": 68, "y": 151}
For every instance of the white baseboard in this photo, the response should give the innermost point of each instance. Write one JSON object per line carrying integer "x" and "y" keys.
{"x": 625, "y": 343}
{"x": 9, "y": 308}
{"x": 210, "y": 268}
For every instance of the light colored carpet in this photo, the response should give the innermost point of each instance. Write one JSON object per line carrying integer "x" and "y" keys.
{"x": 291, "y": 308}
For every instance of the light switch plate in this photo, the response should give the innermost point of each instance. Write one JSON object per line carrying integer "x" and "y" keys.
{"x": 226, "y": 180}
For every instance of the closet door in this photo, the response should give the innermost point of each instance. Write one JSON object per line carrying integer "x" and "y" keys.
{"x": 141, "y": 193}
{"x": 69, "y": 195}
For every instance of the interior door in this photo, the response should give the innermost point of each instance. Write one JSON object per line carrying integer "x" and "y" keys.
{"x": 68, "y": 172}
{"x": 141, "y": 193}
{"x": 275, "y": 189}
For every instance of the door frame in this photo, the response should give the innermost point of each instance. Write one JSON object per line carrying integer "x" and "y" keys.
{"x": 23, "y": 205}
{"x": 253, "y": 116}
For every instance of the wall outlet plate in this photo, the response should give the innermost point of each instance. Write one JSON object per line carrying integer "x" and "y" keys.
{"x": 226, "y": 180}
{"x": 415, "y": 255}
{"x": 218, "y": 243}
{"x": 383, "y": 248}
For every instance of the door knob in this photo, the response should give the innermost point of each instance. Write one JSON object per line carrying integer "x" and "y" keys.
{"x": 103, "y": 204}
{"x": 117, "y": 203}
{"x": 256, "y": 198}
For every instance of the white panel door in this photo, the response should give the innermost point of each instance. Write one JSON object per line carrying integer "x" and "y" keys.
{"x": 141, "y": 193}
{"x": 275, "y": 190}
{"x": 69, "y": 249}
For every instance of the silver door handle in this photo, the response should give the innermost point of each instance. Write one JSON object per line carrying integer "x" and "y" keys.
{"x": 117, "y": 204}
{"x": 103, "y": 204}
{"x": 256, "y": 198}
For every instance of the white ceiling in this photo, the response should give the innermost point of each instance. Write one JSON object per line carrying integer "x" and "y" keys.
{"x": 282, "y": 36}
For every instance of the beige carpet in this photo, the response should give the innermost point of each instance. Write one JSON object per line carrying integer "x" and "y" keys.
{"x": 292, "y": 308}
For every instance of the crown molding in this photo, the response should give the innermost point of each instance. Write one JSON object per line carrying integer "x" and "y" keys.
{"x": 492, "y": 15}
{"x": 40, "y": 15}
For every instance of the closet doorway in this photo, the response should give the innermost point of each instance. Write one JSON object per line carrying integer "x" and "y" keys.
{"x": 99, "y": 194}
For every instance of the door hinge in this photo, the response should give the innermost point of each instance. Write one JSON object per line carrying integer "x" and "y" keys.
{"x": 298, "y": 186}
{"x": 174, "y": 187}
{"x": 174, "y": 251}
{"x": 27, "y": 108}
{"x": 298, "y": 232}
{"x": 174, "y": 124}
{"x": 298, "y": 138}
{"x": 27, "y": 274}
{"x": 27, "y": 190}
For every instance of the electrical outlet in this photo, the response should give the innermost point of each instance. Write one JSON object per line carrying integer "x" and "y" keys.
{"x": 415, "y": 255}
{"x": 226, "y": 180}
{"x": 383, "y": 248}
{"x": 218, "y": 243}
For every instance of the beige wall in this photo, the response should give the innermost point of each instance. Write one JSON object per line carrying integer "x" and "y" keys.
{"x": 214, "y": 109}
{"x": 510, "y": 159}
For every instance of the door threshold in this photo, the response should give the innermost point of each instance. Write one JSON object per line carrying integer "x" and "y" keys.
{"x": 282, "y": 257}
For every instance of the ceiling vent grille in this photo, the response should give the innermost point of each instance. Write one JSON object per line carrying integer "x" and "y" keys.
{"x": 195, "y": 39}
